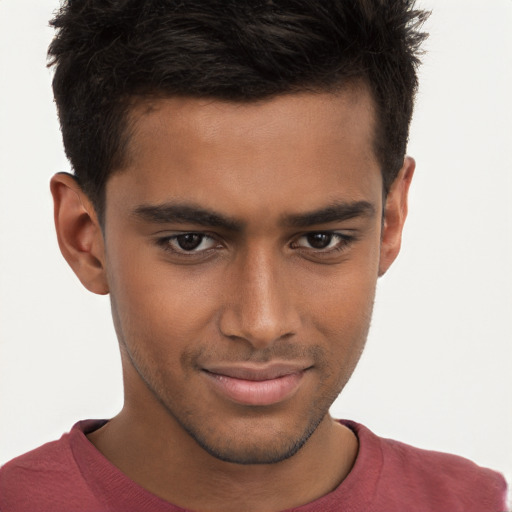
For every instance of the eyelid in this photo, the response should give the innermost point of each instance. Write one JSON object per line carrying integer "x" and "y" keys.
{"x": 328, "y": 233}
{"x": 164, "y": 242}
{"x": 345, "y": 239}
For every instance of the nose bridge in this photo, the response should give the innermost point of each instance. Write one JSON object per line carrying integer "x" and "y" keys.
{"x": 261, "y": 310}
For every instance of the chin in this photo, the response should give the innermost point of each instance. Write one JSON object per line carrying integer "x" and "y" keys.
{"x": 247, "y": 454}
{"x": 253, "y": 445}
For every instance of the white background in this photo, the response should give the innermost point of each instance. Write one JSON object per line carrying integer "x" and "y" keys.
{"x": 437, "y": 371}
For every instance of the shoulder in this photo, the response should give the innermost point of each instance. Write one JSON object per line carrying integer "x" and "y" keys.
{"x": 45, "y": 477}
{"x": 430, "y": 480}
{"x": 443, "y": 470}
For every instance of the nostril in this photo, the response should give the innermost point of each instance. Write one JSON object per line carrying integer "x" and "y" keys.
{"x": 260, "y": 330}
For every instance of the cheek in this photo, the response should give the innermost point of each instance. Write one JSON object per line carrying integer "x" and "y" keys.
{"x": 341, "y": 309}
{"x": 164, "y": 309}
{"x": 159, "y": 306}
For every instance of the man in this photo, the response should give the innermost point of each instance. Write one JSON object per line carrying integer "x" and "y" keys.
{"x": 240, "y": 184}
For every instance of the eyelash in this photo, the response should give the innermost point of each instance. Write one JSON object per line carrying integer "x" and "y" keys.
{"x": 344, "y": 241}
{"x": 165, "y": 243}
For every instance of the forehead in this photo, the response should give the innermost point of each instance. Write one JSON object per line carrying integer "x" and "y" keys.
{"x": 264, "y": 154}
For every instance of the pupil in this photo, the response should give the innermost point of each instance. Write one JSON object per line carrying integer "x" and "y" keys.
{"x": 319, "y": 240}
{"x": 190, "y": 241}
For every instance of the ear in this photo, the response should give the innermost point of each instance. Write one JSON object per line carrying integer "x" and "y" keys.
{"x": 79, "y": 233}
{"x": 395, "y": 213}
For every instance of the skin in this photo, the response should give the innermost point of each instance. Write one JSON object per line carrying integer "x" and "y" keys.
{"x": 273, "y": 285}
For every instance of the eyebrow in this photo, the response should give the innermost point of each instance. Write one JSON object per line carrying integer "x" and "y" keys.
{"x": 175, "y": 213}
{"x": 335, "y": 212}
{"x": 178, "y": 213}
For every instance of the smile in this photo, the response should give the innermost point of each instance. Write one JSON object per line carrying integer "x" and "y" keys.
{"x": 256, "y": 386}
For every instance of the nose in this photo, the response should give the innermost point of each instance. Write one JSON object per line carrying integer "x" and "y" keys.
{"x": 261, "y": 309}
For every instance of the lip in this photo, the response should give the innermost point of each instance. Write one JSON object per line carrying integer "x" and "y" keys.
{"x": 256, "y": 385}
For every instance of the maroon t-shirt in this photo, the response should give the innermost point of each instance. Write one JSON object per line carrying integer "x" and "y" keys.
{"x": 70, "y": 475}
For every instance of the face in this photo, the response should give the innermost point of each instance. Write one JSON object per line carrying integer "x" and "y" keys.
{"x": 243, "y": 243}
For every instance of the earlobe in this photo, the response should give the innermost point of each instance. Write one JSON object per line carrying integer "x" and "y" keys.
{"x": 79, "y": 233}
{"x": 395, "y": 214}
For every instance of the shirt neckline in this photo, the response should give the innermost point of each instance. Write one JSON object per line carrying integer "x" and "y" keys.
{"x": 120, "y": 493}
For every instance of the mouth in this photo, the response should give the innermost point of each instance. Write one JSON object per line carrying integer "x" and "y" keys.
{"x": 256, "y": 385}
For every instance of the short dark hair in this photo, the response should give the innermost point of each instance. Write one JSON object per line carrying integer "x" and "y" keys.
{"x": 108, "y": 53}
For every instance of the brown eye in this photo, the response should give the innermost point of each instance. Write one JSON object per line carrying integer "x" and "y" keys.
{"x": 319, "y": 240}
{"x": 189, "y": 241}
{"x": 323, "y": 242}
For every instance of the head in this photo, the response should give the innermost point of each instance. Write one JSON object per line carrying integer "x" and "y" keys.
{"x": 240, "y": 185}
{"x": 110, "y": 55}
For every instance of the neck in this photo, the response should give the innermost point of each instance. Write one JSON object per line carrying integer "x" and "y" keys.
{"x": 147, "y": 444}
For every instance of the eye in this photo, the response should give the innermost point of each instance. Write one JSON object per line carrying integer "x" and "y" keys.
{"x": 188, "y": 243}
{"x": 319, "y": 240}
{"x": 322, "y": 241}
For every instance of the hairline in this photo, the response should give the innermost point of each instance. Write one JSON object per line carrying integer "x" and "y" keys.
{"x": 137, "y": 105}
